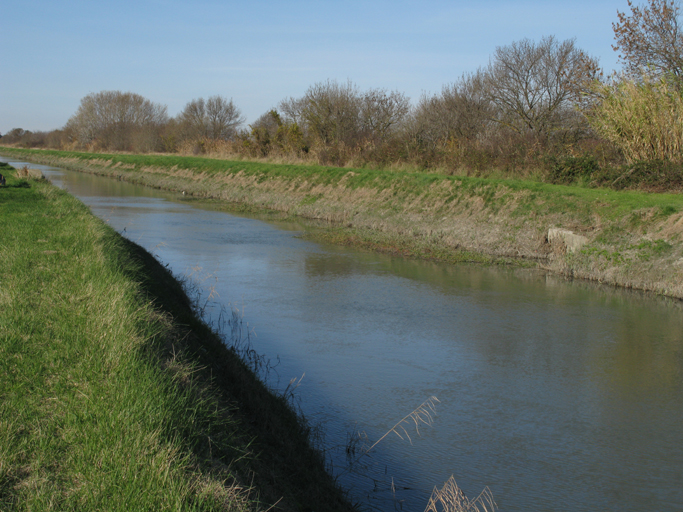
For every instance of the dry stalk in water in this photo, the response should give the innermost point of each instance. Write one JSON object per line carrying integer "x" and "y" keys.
{"x": 420, "y": 416}
{"x": 450, "y": 498}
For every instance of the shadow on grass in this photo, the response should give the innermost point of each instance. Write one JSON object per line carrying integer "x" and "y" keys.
{"x": 21, "y": 184}
{"x": 284, "y": 464}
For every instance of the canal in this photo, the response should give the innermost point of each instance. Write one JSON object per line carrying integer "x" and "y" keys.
{"x": 557, "y": 395}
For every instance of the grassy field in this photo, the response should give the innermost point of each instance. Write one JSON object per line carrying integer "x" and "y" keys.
{"x": 628, "y": 238}
{"x": 114, "y": 395}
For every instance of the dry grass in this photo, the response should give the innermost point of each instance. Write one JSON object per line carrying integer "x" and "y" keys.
{"x": 450, "y": 498}
{"x": 644, "y": 119}
{"x": 421, "y": 416}
{"x": 26, "y": 172}
{"x": 23, "y": 172}
{"x": 227, "y": 150}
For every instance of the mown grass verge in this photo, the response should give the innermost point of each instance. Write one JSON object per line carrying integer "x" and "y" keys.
{"x": 446, "y": 218}
{"x": 114, "y": 395}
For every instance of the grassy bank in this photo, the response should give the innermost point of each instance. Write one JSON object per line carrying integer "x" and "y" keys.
{"x": 626, "y": 238}
{"x": 114, "y": 395}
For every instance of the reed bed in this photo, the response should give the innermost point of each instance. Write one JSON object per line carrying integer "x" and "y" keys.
{"x": 644, "y": 119}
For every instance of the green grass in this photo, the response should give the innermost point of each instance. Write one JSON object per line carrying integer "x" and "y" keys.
{"x": 114, "y": 395}
{"x": 544, "y": 197}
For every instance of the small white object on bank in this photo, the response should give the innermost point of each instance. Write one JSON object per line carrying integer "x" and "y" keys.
{"x": 571, "y": 240}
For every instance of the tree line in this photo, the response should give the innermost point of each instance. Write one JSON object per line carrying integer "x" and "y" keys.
{"x": 537, "y": 104}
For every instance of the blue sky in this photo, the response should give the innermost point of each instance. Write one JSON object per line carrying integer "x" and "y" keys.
{"x": 259, "y": 52}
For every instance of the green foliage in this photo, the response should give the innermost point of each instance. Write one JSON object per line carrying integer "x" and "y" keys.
{"x": 653, "y": 175}
{"x": 568, "y": 169}
{"x": 658, "y": 246}
{"x": 308, "y": 200}
{"x": 652, "y": 248}
{"x": 611, "y": 257}
{"x": 668, "y": 210}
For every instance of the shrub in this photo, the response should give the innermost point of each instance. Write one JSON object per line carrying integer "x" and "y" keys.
{"x": 645, "y": 120}
{"x": 653, "y": 175}
{"x": 568, "y": 169}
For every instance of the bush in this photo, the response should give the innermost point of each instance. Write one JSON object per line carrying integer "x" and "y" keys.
{"x": 569, "y": 169}
{"x": 653, "y": 175}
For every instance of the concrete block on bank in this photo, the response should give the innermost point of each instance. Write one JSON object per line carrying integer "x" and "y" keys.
{"x": 570, "y": 240}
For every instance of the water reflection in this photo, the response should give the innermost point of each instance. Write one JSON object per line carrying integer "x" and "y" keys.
{"x": 558, "y": 395}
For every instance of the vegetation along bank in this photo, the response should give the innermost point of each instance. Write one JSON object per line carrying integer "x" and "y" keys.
{"x": 114, "y": 395}
{"x": 620, "y": 237}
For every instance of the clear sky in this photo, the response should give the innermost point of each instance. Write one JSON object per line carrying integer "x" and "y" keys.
{"x": 258, "y": 52}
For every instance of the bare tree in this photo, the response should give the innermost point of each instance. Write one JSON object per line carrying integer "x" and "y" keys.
{"x": 216, "y": 118}
{"x": 462, "y": 111}
{"x": 331, "y": 112}
{"x": 292, "y": 109}
{"x": 467, "y": 108}
{"x": 14, "y": 135}
{"x": 382, "y": 112}
{"x": 534, "y": 86}
{"x": 117, "y": 120}
{"x": 192, "y": 120}
{"x": 650, "y": 39}
{"x": 223, "y": 118}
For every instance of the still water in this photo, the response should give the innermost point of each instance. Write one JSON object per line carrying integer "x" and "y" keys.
{"x": 558, "y": 396}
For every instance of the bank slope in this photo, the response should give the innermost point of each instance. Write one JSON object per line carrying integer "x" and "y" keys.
{"x": 114, "y": 395}
{"x": 626, "y": 238}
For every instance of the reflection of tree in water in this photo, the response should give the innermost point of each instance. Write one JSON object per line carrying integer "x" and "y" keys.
{"x": 646, "y": 356}
{"x": 446, "y": 277}
{"x": 542, "y": 322}
{"x": 564, "y": 331}
{"x": 328, "y": 264}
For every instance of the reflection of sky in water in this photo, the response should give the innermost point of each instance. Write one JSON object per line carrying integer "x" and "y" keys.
{"x": 557, "y": 395}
